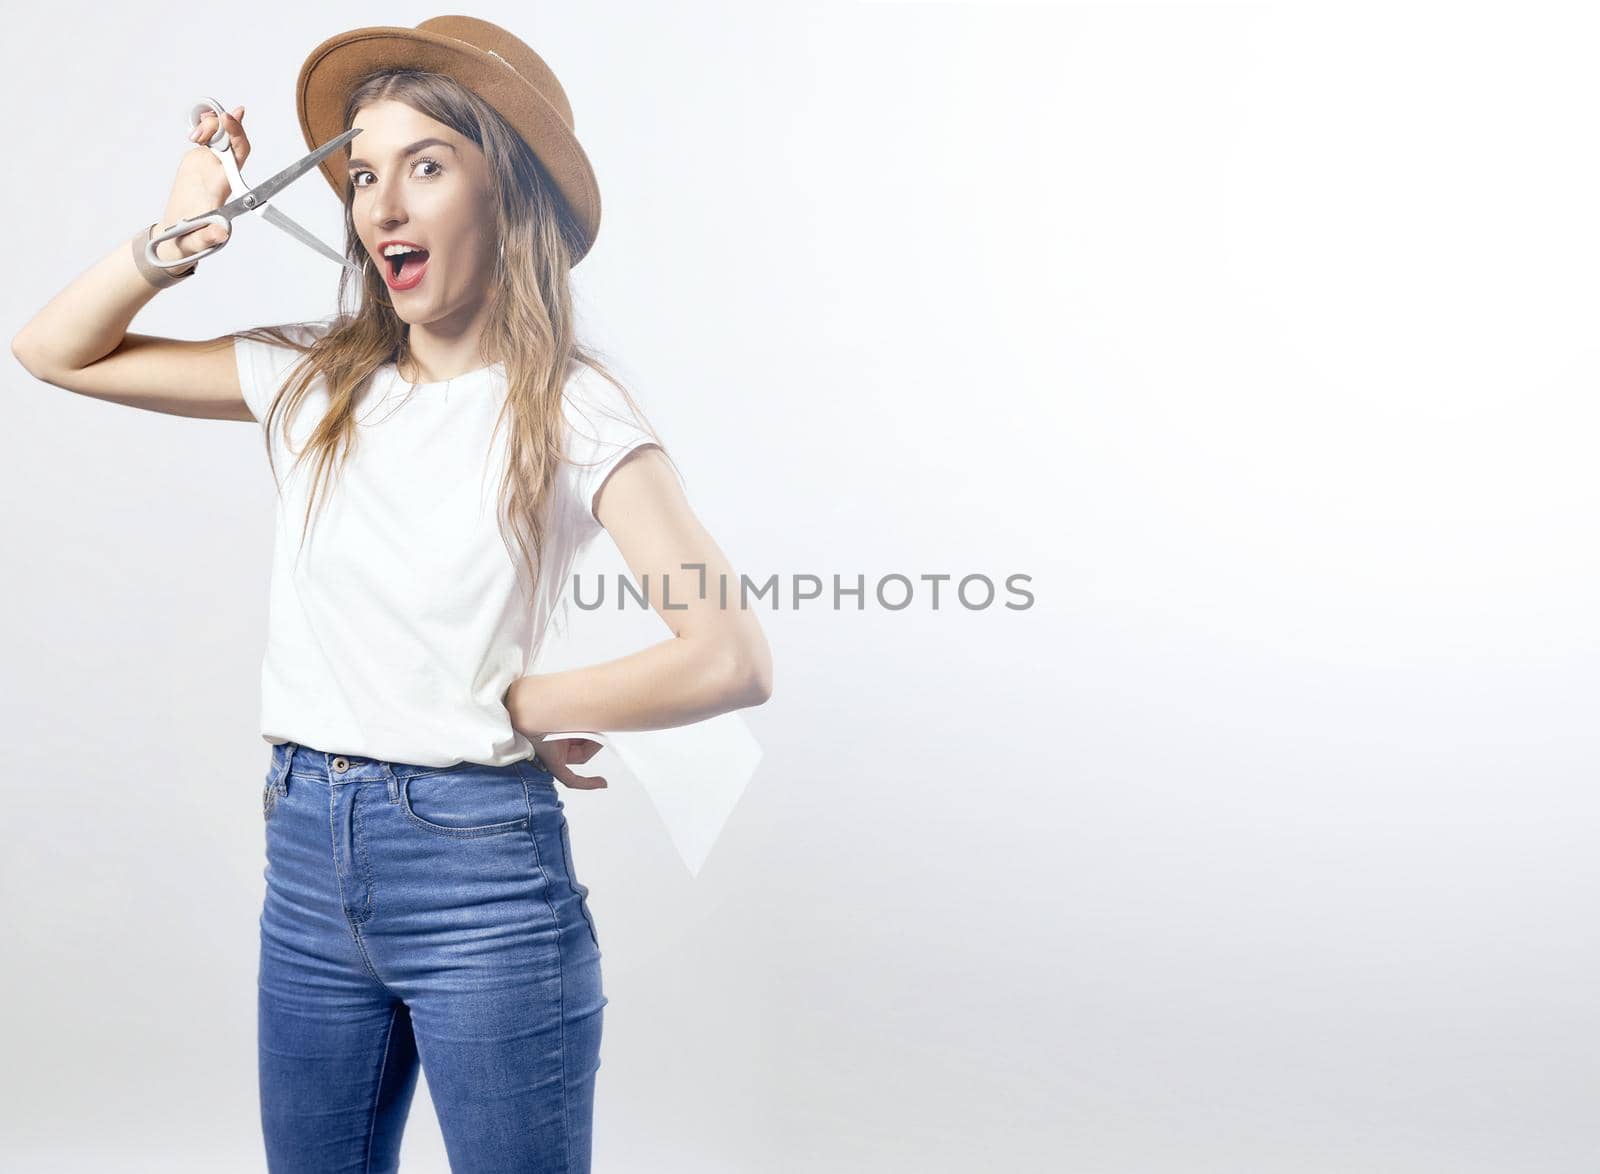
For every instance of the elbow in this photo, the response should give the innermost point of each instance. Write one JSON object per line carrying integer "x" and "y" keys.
{"x": 21, "y": 353}
{"x": 749, "y": 675}
{"x": 33, "y": 360}
{"x": 759, "y": 683}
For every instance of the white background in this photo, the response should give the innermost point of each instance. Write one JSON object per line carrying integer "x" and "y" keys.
{"x": 1260, "y": 336}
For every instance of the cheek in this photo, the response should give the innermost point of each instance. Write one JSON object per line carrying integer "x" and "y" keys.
{"x": 477, "y": 254}
{"x": 471, "y": 263}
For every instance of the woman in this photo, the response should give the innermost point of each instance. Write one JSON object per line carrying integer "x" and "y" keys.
{"x": 421, "y": 904}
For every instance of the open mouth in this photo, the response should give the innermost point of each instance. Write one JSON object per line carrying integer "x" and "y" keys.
{"x": 405, "y": 270}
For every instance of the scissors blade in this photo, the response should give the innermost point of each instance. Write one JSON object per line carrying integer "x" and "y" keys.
{"x": 272, "y": 216}
{"x": 262, "y": 192}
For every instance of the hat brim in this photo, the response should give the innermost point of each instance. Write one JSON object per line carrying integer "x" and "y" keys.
{"x": 336, "y": 66}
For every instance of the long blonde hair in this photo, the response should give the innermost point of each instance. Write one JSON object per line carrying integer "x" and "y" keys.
{"x": 530, "y": 325}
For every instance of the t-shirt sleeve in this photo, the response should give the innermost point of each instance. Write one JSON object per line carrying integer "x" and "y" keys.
{"x": 601, "y": 430}
{"x": 264, "y": 366}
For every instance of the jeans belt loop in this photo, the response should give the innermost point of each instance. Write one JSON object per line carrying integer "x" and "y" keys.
{"x": 283, "y": 767}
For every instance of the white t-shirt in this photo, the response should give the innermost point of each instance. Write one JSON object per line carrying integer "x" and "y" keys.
{"x": 396, "y": 631}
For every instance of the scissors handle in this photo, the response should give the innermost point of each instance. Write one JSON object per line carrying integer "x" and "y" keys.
{"x": 220, "y": 144}
{"x": 219, "y": 137}
{"x": 183, "y": 228}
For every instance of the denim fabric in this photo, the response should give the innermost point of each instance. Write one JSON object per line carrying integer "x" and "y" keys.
{"x": 423, "y": 915}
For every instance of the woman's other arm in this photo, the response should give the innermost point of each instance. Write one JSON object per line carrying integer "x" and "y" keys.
{"x": 79, "y": 341}
{"x": 717, "y": 659}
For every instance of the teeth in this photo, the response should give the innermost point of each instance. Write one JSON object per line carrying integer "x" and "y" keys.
{"x": 398, "y": 250}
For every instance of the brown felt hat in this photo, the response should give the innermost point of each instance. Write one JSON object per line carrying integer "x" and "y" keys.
{"x": 485, "y": 59}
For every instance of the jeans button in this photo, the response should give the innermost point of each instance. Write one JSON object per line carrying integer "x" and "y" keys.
{"x": 341, "y": 765}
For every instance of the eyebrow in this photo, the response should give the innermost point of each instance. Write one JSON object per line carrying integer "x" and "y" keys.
{"x": 411, "y": 150}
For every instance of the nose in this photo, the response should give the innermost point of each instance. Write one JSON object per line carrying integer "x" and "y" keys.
{"x": 384, "y": 206}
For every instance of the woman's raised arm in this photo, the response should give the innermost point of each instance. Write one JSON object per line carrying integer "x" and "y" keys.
{"x": 80, "y": 340}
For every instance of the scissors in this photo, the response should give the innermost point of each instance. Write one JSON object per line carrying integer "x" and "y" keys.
{"x": 247, "y": 199}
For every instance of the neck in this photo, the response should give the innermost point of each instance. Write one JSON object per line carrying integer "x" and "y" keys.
{"x": 433, "y": 352}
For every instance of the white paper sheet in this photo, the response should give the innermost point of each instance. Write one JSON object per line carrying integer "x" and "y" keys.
{"x": 694, "y": 776}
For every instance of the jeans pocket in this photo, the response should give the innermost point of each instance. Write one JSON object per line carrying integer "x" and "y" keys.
{"x": 466, "y": 803}
{"x": 269, "y": 795}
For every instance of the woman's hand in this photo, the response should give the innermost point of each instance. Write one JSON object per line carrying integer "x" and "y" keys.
{"x": 561, "y": 755}
{"x": 202, "y": 185}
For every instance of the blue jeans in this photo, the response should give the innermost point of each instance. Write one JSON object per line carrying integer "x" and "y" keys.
{"x": 423, "y": 915}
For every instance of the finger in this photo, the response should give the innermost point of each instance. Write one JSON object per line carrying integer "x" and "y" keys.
{"x": 212, "y": 234}
{"x": 200, "y": 239}
{"x": 579, "y": 782}
{"x": 236, "y": 135}
{"x": 207, "y": 126}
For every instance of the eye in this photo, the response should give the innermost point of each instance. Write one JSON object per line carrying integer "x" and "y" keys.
{"x": 355, "y": 176}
